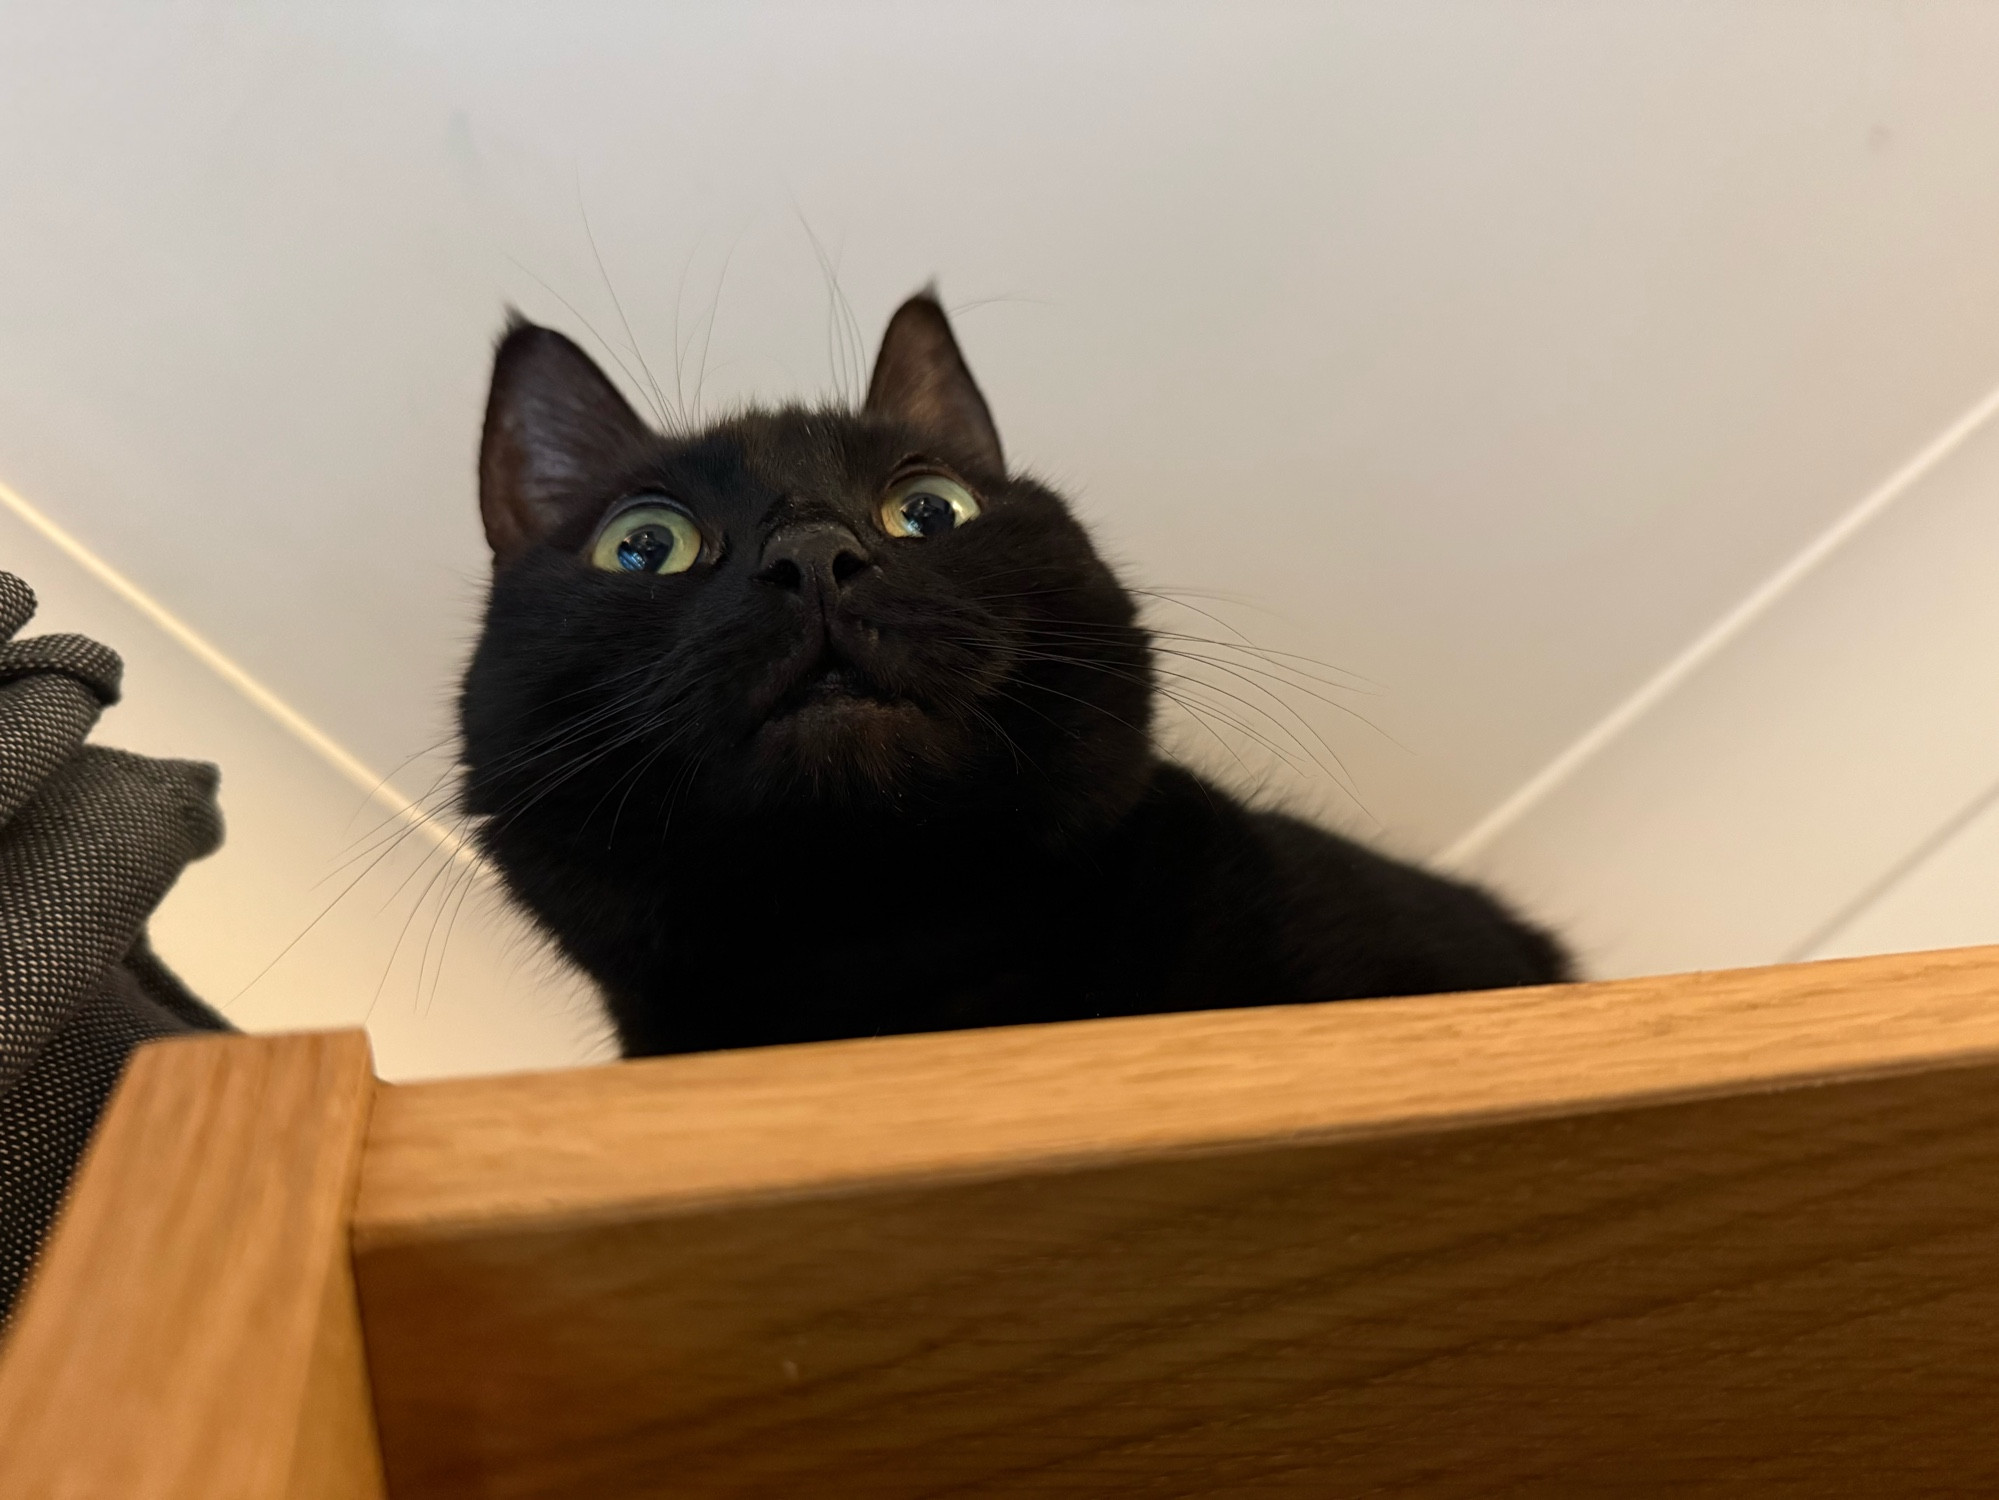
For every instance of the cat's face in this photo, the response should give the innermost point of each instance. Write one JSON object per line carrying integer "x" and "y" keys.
{"x": 791, "y": 613}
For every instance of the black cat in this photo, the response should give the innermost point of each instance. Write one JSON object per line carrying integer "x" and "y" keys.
{"x": 819, "y": 724}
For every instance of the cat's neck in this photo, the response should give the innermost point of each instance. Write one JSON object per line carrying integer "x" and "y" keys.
{"x": 841, "y": 851}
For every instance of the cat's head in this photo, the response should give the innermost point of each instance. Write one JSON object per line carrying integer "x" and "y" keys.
{"x": 792, "y": 613}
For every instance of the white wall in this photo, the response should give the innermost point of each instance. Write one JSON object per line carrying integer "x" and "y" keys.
{"x": 1813, "y": 775}
{"x": 1491, "y": 351}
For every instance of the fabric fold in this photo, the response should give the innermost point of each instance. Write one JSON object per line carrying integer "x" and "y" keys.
{"x": 90, "y": 841}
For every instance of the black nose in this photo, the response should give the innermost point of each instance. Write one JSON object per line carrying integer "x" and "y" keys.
{"x": 821, "y": 558}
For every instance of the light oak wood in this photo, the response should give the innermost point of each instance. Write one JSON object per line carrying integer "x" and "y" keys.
{"x": 1734, "y": 1232}
{"x": 1716, "y": 1233}
{"x": 673, "y": 1131}
{"x": 191, "y": 1332}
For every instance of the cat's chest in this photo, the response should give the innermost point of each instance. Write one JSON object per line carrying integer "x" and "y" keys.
{"x": 912, "y": 937}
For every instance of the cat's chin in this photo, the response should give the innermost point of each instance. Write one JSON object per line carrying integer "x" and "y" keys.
{"x": 825, "y": 729}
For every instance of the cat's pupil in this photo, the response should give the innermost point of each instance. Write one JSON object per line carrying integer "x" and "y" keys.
{"x": 645, "y": 549}
{"x": 928, "y": 514}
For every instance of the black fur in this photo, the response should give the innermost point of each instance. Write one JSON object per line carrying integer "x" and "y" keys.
{"x": 831, "y": 783}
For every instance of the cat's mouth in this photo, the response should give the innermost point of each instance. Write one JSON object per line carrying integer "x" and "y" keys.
{"x": 831, "y": 686}
{"x": 832, "y": 721}
{"x": 829, "y": 714}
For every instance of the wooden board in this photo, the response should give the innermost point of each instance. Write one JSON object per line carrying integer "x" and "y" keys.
{"x": 190, "y": 1332}
{"x": 1735, "y": 1231}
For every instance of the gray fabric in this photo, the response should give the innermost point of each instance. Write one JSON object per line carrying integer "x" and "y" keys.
{"x": 90, "y": 840}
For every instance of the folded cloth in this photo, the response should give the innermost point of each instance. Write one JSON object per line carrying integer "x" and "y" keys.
{"x": 90, "y": 840}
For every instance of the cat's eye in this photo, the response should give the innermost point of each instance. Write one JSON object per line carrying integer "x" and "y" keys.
{"x": 648, "y": 539}
{"x": 926, "y": 505}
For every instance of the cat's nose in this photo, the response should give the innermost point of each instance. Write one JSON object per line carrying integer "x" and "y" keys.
{"x": 820, "y": 558}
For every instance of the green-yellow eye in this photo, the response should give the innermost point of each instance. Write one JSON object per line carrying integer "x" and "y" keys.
{"x": 647, "y": 539}
{"x": 926, "y": 505}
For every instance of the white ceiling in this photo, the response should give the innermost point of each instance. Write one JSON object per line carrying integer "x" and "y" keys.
{"x": 1489, "y": 350}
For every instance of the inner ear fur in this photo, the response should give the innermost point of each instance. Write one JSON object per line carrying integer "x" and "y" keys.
{"x": 554, "y": 426}
{"x": 921, "y": 380}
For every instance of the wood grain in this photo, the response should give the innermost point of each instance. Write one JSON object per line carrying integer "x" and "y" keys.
{"x": 672, "y": 1132}
{"x": 191, "y": 1330}
{"x": 1585, "y": 1240}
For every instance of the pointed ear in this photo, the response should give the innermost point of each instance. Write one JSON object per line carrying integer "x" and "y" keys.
{"x": 921, "y": 381}
{"x": 553, "y": 424}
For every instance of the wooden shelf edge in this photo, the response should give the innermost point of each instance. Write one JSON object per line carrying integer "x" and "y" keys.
{"x": 681, "y": 1134}
{"x": 191, "y": 1330}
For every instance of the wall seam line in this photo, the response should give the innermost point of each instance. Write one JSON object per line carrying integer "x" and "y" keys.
{"x": 293, "y": 722}
{"x": 1716, "y": 638}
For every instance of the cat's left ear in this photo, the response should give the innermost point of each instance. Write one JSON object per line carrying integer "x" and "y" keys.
{"x": 921, "y": 380}
{"x": 555, "y": 426}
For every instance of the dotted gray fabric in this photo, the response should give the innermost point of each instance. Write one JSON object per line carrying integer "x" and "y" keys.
{"x": 90, "y": 840}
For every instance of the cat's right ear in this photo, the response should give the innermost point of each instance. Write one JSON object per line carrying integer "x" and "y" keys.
{"x": 554, "y": 426}
{"x": 922, "y": 381}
